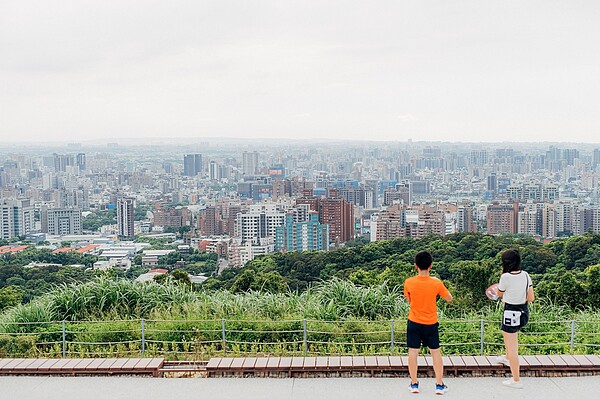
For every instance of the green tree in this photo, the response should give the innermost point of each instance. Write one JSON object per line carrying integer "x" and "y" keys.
{"x": 10, "y": 296}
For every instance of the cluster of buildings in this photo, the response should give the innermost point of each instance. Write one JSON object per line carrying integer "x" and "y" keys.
{"x": 244, "y": 199}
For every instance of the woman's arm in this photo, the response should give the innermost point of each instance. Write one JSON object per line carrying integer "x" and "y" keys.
{"x": 530, "y": 294}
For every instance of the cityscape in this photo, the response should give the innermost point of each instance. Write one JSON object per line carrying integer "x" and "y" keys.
{"x": 243, "y": 199}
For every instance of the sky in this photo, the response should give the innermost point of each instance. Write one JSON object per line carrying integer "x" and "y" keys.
{"x": 464, "y": 71}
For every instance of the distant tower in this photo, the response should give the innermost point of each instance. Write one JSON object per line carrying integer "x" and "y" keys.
{"x": 125, "y": 217}
{"x": 250, "y": 163}
{"x": 81, "y": 161}
{"x": 192, "y": 164}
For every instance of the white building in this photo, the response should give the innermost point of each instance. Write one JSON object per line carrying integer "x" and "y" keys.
{"x": 60, "y": 221}
{"x": 16, "y": 218}
{"x": 260, "y": 221}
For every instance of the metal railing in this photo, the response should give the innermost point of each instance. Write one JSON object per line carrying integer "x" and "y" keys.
{"x": 205, "y": 338}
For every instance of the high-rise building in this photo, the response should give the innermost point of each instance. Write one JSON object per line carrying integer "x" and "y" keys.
{"x": 81, "y": 161}
{"x": 61, "y": 221}
{"x": 192, "y": 164}
{"x": 479, "y": 157}
{"x": 260, "y": 221}
{"x": 125, "y": 217}
{"x": 569, "y": 155}
{"x": 335, "y": 212}
{"x": 250, "y": 163}
{"x": 502, "y": 218}
{"x": 596, "y": 158}
{"x": 62, "y": 162}
{"x": 464, "y": 218}
{"x": 302, "y": 236}
{"x": 16, "y": 217}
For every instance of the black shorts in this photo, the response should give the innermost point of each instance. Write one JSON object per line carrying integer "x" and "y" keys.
{"x": 524, "y": 309}
{"x": 422, "y": 334}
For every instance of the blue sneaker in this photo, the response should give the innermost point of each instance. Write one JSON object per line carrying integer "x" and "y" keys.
{"x": 440, "y": 389}
{"x": 414, "y": 388}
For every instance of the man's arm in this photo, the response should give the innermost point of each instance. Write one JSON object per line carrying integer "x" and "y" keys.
{"x": 447, "y": 298}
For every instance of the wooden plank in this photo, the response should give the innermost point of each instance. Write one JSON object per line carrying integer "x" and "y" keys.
{"x": 457, "y": 361}
{"x": 595, "y": 359}
{"x": 383, "y": 362}
{"x": 118, "y": 365}
{"x": 106, "y": 364}
{"x": 237, "y": 363}
{"x": 470, "y": 361}
{"x": 82, "y": 364}
{"x": 493, "y": 361}
{"x": 396, "y": 362}
{"x": 13, "y": 363}
{"x": 143, "y": 364}
{"x": 557, "y": 360}
{"x": 4, "y": 362}
{"x": 24, "y": 364}
{"x": 522, "y": 362}
{"x": 249, "y": 363}
{"x": 358, "y": 362}
{"x": 297, "y": 362}
{"x": 309, "y": 362}
{"x": 404, "y": 360}
{"x": 532, "y": 361}
{"x": 545, "y": 361}
{"x": 570, "y": 361}
{"x": 285, "y": 363}
{"x": 421, "y": 361}
{"x": 213, "y": 363}
{"x": 582, "y": 360}
{"x": 446, "y": 361}
{"x": 47, "y": 364}
{"x": 346, "y": 362}
{"x": 261, "y": 362}
{"x": 155, "y": 363}
{"x": 335, "y": 362}
{"x": 370, "y": 362}
{"x": 93, "y": 366}
{"x": 321, "y": 362}
{"x": 131, "y": 362}
{"x": 36, "y": 364}
{"x": 482, "y": 361}
{"x": 273, "y": 362}
{"x": 225, "y": 363}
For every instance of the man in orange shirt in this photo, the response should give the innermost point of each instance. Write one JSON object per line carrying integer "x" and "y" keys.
{"x": 422, "y": 291}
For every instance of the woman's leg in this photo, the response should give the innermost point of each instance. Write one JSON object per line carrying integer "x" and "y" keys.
{"x": 511, "y": 343}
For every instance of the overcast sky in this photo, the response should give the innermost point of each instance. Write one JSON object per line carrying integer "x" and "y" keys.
{"x": 479, "y": 70}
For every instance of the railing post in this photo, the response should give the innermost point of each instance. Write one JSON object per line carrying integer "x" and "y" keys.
{"x": 143, "y": 337}
{"x": 393, "y": 339}
{"x": 481, "y": 336}
{"x": 572, "y": 336}
{"x": 64, "y": 339}
{"x": 305, "y": 337}
{"x": 223, "y": 337}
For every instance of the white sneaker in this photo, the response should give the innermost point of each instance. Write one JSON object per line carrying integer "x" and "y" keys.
{"x": 503, "y": 360}
{"x": 513, "y": 384}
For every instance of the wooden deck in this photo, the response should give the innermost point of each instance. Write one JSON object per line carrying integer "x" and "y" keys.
{"x": 372, "y": 365}
{"x": 96, "y": 366}
{"x": 317, "y": 366}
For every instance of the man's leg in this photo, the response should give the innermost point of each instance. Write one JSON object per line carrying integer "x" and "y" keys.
{"x": 511, "y": 343}
{"x": 438, "y": 365}
{"x": 412, "y": 364}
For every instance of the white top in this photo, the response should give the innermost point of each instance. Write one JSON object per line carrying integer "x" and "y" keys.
{"x": 514, "y": 286}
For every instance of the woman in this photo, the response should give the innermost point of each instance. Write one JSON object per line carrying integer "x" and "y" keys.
{"x": 516, "y": 290}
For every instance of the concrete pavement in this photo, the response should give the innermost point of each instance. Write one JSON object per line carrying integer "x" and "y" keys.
{"x": 310, "y": 388}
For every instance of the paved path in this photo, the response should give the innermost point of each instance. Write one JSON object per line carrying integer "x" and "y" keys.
{"x": 309, "y": 388}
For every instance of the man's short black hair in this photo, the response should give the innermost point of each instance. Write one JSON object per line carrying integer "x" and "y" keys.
{"x": 423, "y": 260}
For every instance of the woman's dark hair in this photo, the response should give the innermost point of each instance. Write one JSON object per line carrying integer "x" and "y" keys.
{"x": 511, "y": 260}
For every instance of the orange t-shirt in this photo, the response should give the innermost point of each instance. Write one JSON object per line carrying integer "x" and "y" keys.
{"x": 422, "y": 292}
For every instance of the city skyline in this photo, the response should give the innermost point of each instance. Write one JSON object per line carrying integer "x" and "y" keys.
{"x": 394, "y": 71}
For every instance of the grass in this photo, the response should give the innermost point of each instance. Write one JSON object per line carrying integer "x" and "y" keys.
{"x": 103, "y": 318}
